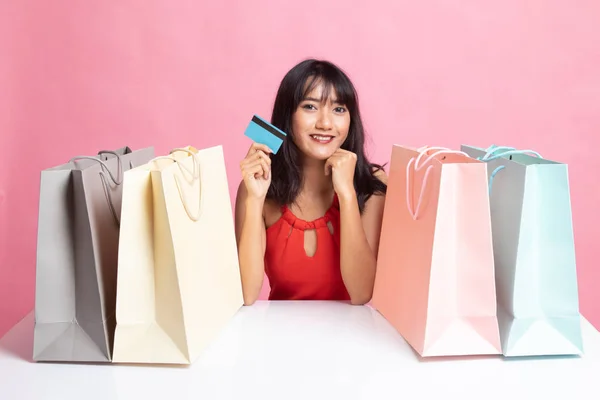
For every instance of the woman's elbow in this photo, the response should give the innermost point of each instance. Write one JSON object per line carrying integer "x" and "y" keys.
{"x": 361, "y": 299}
{"x": 249, "y": 300}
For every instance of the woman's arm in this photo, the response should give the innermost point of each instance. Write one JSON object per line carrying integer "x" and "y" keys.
{"x": 359, "y": 237}
{"x": 251, "y": 239}
{"x": 250, "y": 228}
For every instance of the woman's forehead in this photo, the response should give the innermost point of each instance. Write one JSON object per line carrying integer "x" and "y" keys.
{"x": 317, "y": 90}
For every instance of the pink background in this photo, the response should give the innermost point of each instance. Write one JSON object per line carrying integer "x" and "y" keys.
{"x": 76, "y": 77}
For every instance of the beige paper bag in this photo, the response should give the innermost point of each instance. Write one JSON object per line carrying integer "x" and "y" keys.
{"x": 178, "y": 279}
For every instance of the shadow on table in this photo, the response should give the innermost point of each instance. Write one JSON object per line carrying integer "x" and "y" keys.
{"x": 454, "y": 359}
{"x": 488, "y": 357}
{"x": 387, "y": 332}
{"x": 18, "y": 342}
{"x": 540, "y": 358}
{"x": 468, "y": 358}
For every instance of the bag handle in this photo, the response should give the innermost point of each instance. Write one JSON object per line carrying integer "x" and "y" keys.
{"x": 492, "y": 150}
{"x": 422, "y": 152}
{"x": 490, "y": 156}
{"x": 105, "y": 187}
{"x": 196, "y": 175}
{"x": 126, "y": 152}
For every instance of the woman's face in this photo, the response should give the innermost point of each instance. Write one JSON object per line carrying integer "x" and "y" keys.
{"x": 320, "y": 128}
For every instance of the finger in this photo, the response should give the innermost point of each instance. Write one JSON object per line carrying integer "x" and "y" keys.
{"x": 253, "y": 172}
{"x": 264, "y": 148}
{"x": 251, "y": 158}
{"x": 258, "y": 146}
{"x": 334, "y": 160}
{"x": 262, "y": 155}
{"x": 260, "y": 161}
{"x": 248, "y": 172}
{"x": 338, "y": 158}
{"x": 344, "y": 154}
{"x": 264, "y": 167}
{"x": 254, "y": 157}
{"x": 327, "y": 166}
{"x": 253, "y": 164}
{"x": 253, "y": 147}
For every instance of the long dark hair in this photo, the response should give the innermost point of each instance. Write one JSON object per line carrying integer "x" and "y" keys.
{"x": 286, "y": 181}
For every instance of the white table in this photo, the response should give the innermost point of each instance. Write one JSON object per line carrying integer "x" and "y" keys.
{"x": 303, "y": 350}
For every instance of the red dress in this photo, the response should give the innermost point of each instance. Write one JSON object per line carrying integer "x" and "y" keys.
{"x": 293, "y": 275}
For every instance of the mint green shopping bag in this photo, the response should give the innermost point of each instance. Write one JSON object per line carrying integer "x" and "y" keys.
{"x": 534, "y": 252}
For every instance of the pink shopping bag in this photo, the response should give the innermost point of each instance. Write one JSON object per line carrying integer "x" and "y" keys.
{"x": 435, "y": 272}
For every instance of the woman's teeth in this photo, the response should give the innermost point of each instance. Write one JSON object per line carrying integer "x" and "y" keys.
{"x": 322, "y": 139}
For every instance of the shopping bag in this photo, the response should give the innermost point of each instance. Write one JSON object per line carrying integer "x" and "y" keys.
{"x": 77, "y": 244}
{"x": 179, "y": 280}
{"x": 534, "y": 251}
{"x": 435, "y": 271}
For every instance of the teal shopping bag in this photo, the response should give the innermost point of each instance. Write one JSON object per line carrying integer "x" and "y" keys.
{"x": 534, "y": 252}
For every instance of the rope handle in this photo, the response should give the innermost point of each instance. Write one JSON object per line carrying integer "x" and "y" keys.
{"x": 105, "y": 186}
{"x": 196, "y": 175}
{"x": 417, "y": 167}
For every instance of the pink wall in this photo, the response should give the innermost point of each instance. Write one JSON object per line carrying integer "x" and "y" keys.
{"x": 79, "y": 76}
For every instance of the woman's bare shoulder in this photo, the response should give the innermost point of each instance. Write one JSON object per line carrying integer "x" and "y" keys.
{"x": 380, "y": 174}
{"x": 271, "y": 212}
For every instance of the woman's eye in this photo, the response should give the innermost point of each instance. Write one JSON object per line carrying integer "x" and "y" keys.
{"x": 340, "y": 109}
{"x": 309, "y": 107}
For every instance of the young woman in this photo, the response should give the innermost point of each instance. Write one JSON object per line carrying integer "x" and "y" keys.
{"x": 310, "y": 216}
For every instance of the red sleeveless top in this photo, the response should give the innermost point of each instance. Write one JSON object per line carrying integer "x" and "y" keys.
{"x": 293, "y": 275}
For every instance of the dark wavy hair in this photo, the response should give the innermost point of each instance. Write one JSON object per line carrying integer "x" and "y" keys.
{"x": 286, "y": 167}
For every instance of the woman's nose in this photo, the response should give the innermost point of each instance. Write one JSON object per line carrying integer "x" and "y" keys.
{"x": 324, "y": 121}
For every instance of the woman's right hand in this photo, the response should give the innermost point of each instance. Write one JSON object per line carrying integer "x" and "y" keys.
{"x": 256, "y": 170}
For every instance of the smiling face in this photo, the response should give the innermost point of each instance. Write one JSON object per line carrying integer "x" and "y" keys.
{"x": 320, "y": 124}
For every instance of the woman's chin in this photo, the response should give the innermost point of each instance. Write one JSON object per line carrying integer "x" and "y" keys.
{"x": 320, "y": 156}
{"x": 322, "y": 153}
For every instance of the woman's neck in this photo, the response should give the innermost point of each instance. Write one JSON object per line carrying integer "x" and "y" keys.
{"x": 315, "y": 180}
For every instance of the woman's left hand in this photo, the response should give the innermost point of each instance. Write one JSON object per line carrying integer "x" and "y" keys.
{"x": 341, "y": 165}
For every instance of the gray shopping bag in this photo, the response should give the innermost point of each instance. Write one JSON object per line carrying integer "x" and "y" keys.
{"x": 77, "y": 250}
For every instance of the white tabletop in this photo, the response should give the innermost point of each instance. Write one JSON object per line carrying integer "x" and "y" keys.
{"x": 303, "y": 350}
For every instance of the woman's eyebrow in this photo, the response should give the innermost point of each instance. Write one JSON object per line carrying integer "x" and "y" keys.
{"x": 333, "y": 101}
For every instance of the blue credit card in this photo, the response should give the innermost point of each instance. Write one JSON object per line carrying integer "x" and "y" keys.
{"x": 260, "y": 131}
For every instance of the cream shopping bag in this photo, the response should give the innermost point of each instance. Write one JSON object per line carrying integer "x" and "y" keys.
{"x": 435, "y": 270}
{"x": 178, "y": 274}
